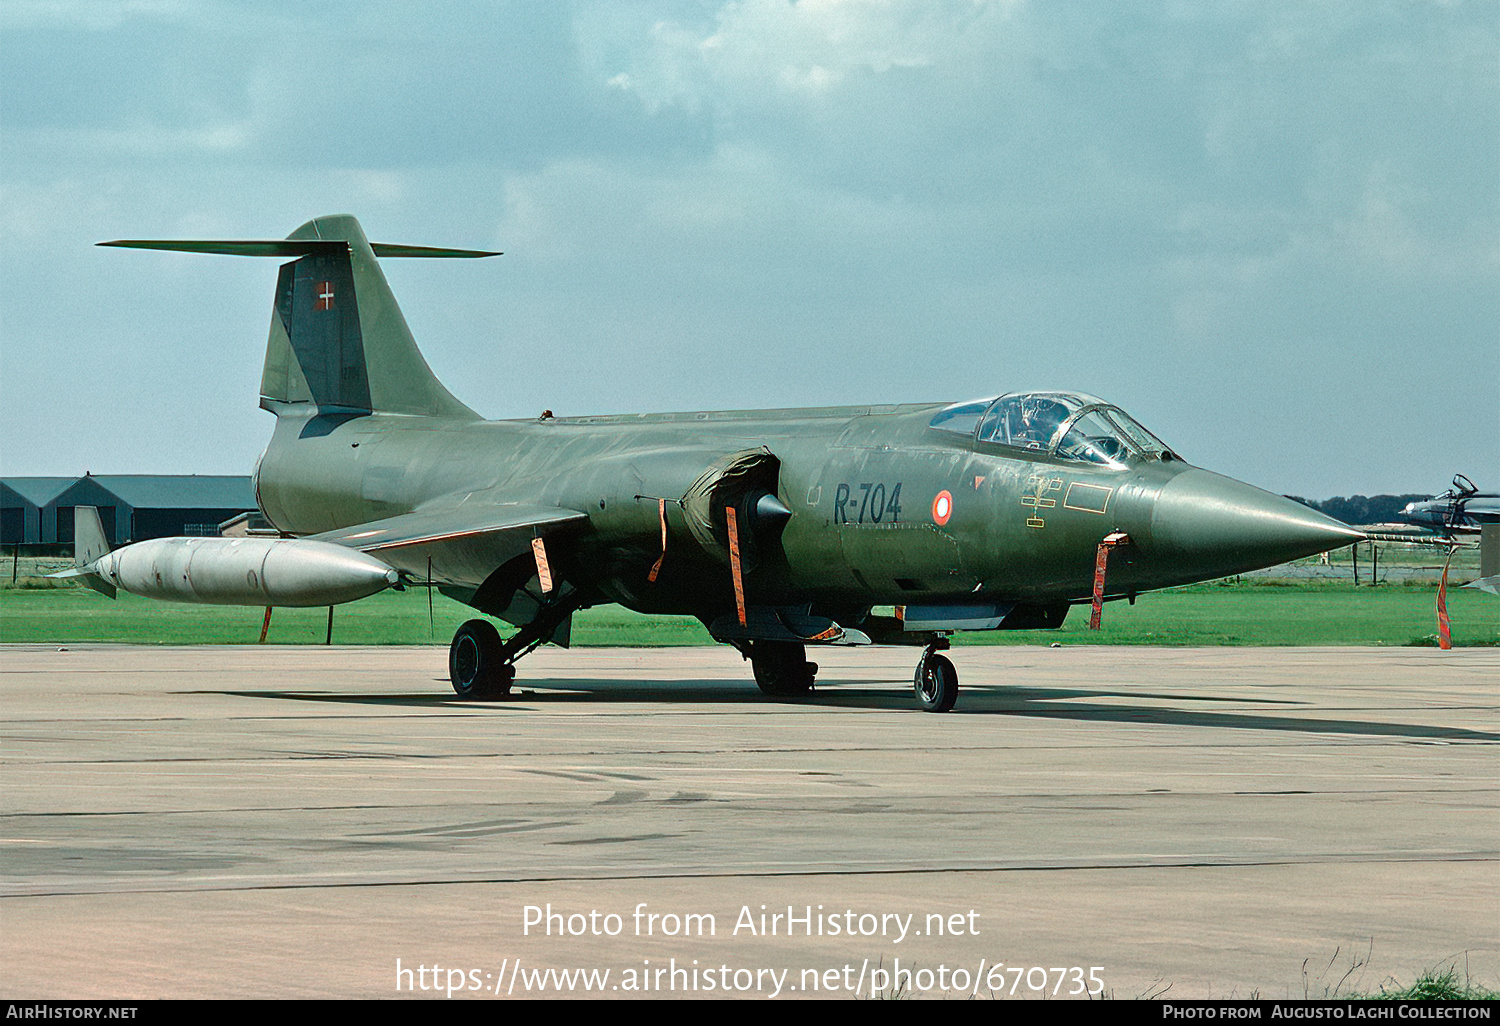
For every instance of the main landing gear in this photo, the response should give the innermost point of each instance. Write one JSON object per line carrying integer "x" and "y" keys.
{"x": 476, "y": 665}
{"x": 781, "y": 668}
{"x": 482, "y": 666}
{"x": 936, "y": 681}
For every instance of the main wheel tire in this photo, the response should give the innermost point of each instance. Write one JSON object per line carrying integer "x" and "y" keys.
{"x": 781, "y": 668}
{"x": 474, "y": 664}
{"x": 936, "y": 683}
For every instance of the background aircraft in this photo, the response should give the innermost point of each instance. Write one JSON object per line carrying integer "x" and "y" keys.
{"x": 1463, "y": 509}
{"x": 777, "y": 529}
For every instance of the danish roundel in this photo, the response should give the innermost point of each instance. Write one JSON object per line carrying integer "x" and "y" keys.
{"x": 942, "y": 507}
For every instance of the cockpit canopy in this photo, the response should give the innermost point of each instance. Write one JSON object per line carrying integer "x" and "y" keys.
{"x": 1067, "y": 425}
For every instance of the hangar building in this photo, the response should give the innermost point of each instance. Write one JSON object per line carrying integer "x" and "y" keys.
{"x": 22, "y": 502}
{"x": 132, "y": 507}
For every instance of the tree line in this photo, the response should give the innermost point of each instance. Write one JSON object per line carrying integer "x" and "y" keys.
{"x": 1362, "y": 509}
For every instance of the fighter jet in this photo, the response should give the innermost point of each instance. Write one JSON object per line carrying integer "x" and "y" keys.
{"x": 1443, "y": 520}
{"x": 1462, "y": 509}
{"x": 778, "y": 529}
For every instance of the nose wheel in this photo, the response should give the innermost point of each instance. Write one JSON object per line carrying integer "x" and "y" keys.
{"x": 936, "y": 681}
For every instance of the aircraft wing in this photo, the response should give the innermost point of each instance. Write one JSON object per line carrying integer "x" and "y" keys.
{"x": 460, "y": 545}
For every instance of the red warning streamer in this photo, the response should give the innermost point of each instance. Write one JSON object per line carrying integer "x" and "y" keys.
{"x": 661, "y": 511}
{"x": 543, "y": 569}
{"x": 734, "y": 564}
{"x": 1445, "y": 636}
{"x": 1101, "y": 561}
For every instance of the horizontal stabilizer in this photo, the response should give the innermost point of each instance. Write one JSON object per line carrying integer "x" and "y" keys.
{"x": 288, "y": 247}
{"x": 391, "y": 249}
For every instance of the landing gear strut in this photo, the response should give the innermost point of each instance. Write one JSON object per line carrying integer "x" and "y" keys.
{"x": 936, "y": 681}
{"x": 781, "y": 668}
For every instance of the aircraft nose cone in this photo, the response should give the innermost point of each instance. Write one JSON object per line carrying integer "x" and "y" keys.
{"x": 1219, "y": 526}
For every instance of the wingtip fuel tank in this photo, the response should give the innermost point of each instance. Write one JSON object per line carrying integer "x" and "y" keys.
{"x": 243, "y": 571}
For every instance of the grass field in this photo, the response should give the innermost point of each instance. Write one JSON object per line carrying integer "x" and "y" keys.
{"x": 1244, "y": 613}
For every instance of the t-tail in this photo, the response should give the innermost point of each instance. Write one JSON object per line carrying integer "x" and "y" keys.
{"x": 339, "y": 344}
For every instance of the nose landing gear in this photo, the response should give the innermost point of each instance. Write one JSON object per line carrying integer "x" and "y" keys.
{"x": 936, "y": 681}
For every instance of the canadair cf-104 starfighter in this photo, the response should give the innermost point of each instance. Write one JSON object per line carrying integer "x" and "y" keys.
{"x": 778, "y": 529}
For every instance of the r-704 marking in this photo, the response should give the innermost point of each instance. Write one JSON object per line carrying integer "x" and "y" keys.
{"x": 876, "y": 503}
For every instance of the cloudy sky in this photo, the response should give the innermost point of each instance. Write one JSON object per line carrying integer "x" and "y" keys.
{"x": 1268, "y": 230}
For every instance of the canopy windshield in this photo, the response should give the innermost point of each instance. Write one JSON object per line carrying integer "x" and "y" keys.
{"x": 1068, "y": 425}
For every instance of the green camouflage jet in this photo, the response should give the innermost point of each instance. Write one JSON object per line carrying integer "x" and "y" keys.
{"x": 778, "y": 529}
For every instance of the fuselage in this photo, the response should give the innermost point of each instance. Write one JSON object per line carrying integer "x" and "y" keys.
{"x": 886, "y": 508}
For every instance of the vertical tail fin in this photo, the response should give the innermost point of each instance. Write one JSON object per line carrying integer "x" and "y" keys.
{"x": 338, "y": 341}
